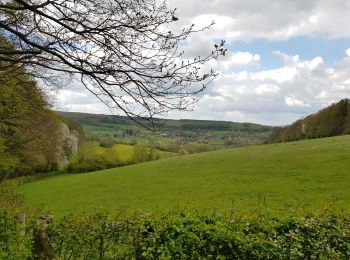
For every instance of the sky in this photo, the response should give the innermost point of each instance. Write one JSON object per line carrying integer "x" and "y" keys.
{"x": 286, "y": 59}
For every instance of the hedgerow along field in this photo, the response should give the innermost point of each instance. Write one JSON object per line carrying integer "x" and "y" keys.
{"x": 283, "y": 178}
{"x": 122, "y": 152}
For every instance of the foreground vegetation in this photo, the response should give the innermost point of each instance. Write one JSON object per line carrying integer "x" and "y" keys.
{"x": 285, "y": 178}
{"x": 175, "y": 236}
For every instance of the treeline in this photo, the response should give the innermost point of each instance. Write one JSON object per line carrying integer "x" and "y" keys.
{"x": 331, "y": 121}
{"x": 184, "y": 124}
{"x": 195, "y": 125}
{"x": 89, "y": 159}
{"x": 33, "y": 138}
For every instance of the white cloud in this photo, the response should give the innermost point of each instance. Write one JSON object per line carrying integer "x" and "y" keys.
{"x": 267, "y": 89}
{"x": 221, "y": 22}
{"x": 269, "y": 19}
{"x": 293, "y": 102}
{"x": 348, "y": 52}
{"x": 278, "y": 96}
{"x": 240, "y": 59}
{"x": 314, "y": 19}
{"x": 69, "y": 94}
{"x": 287, "y": 60}
{"x": 245, "y": 90}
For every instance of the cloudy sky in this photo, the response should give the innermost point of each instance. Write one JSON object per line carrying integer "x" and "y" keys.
{"x": 287, "y": 59}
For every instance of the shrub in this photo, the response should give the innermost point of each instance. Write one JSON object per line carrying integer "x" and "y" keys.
{"x": 107, "y": 143}
{"x": 180, "y": 236}
{"x": 144, "y": 154}
{"x": 15, "y": 242}
{"x": 92, "y": 164}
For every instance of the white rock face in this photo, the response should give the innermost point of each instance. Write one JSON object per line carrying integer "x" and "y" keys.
{"x": 69, "y": 146}
{"x": 303, "y": 129}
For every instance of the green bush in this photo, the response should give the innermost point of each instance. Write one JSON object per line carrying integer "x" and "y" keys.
{"x": 15, "y": 243}
{"x": 144, "y": 154}
{"x": 107, "y": 142}
{"x": 90, "y": 165}
{"x": 181, "y": 236}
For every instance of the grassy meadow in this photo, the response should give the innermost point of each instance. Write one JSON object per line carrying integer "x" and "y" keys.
{"x": 279, "y": 178}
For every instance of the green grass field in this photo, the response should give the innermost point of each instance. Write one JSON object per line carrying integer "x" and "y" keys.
{"x": 282, "y": 178}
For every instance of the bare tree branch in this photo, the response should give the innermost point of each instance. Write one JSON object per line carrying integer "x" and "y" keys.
{"x": 123, "y": 51}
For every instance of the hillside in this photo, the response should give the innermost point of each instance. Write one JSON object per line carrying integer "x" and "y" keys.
{"x": 176, "y": 136}
{"x": 280, "y": 177}
{"x": 331, "y": 121}
{"x": 33, "y": 138}
{"x": 170, "y": 124}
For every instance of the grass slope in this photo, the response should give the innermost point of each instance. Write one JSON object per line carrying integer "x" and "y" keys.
{"x": 308, "y": 174}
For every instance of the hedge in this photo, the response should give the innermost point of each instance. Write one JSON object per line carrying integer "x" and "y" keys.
{"x": 174, "y": 236}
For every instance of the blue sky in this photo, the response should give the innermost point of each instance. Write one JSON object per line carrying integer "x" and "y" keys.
{"x": 307, "y": 47}
{"x": 286, "y": 59}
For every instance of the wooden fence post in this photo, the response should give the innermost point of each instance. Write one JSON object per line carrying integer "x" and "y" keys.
{"x": 42, "y": 247}
{"x": 21, "y": 220}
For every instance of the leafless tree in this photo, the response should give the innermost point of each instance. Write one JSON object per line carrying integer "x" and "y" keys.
{"x": 123, "y": 51}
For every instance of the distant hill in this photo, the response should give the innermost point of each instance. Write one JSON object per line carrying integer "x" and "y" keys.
{"x": 331, "y": 121}
{"x": 182, "y": 124}
{"x": 176, "y": 136}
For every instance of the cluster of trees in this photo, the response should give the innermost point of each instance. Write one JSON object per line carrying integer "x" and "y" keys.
{"x": 205, "y": 125}
{"x": 33, "y": 138}
{"x": 331, "y": 121}
{"x": 94, "y": 157}
{"x": 143, "y": 154}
